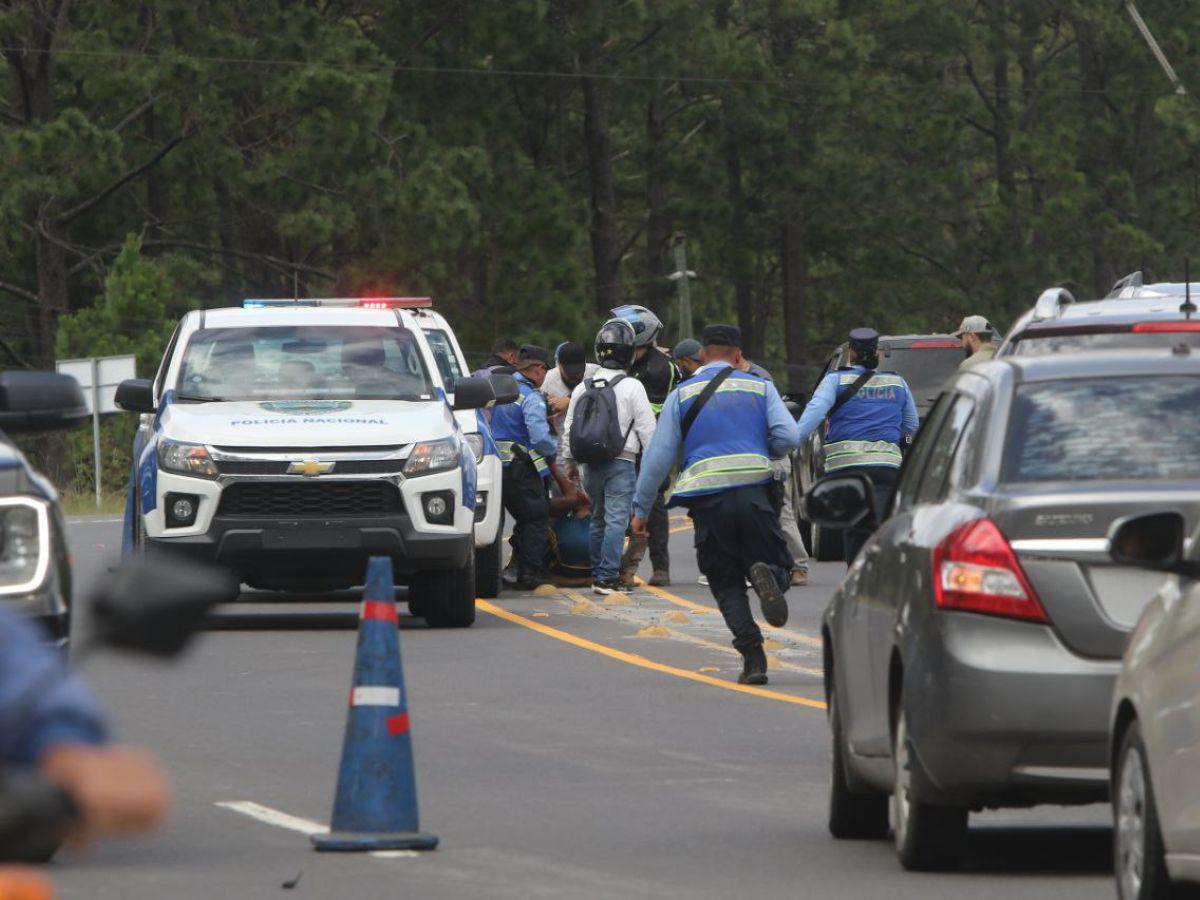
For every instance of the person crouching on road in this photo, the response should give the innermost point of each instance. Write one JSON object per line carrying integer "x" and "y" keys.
{"x": 727, "y": 426}
{"x": 608, "y": 422}
{"x": 526, "y": 448}
{"x": 869, "y": 413}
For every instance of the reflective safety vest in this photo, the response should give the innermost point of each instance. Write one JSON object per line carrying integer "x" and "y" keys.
{"x": 512, "y": 435}
{"x": 727, "y": 444}
{"x": 866, "y": 431}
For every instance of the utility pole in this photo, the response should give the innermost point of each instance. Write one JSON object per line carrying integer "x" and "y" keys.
{"x": 682, "y": 276}
{"x": 1142, "y": 27}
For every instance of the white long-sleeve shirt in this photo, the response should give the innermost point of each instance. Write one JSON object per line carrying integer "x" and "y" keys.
{"x": 633, "y": 406}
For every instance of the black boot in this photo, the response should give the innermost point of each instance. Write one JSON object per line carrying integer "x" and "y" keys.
{"x": 766, "y": 585}
{"x": 754, "y": 668}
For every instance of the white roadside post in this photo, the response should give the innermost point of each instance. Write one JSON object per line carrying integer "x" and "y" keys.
{"x": 99, "y": 377}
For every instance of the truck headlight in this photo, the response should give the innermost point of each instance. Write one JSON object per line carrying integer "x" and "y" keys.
{"x": 187, "y": 459}
{"x": 475, "y": 442}
{"x": 24, "y": 544}
{"x": 429, "y": 457}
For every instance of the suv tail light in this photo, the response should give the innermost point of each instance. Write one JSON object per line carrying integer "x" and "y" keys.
{"x": 1165, "y": 327}
{"x": 976, "y": 570}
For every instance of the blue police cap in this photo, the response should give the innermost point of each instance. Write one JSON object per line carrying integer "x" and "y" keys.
{"x": 864, "y": 339}
{"x": 721, "y": 335}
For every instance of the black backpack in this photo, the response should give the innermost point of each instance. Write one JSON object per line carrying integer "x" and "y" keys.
{"x": 595, "y": 427}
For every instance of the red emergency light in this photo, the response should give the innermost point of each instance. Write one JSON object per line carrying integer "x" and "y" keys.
{"x": 1165, "y": 327}
{"x": 396, "y": 302}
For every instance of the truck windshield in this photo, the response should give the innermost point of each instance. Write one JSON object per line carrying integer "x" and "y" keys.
{"x": 1112, "y": 429}
{"x": 306, "y": 362}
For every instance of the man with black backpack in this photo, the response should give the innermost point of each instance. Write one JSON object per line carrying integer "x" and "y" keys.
{"x": 726, "y": 426}
{"x": 869, "y": 413}
{"x": 609, "y": 421}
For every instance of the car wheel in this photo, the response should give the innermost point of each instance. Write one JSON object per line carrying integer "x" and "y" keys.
{"x": 1138, "y": 852}
{"x": 446, "y": 599}
{"x": 488, "y": 565}
{"x": 852, "y": 816}
{"x": 928, "y": 838}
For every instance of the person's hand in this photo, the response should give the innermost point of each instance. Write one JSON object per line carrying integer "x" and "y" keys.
{"x": 638, "y": 526}
{"x": 558, "y": 404}
{"x": 117, "y": 789}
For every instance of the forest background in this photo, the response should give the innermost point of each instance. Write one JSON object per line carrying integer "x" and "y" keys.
{"x": 533, "y": 163}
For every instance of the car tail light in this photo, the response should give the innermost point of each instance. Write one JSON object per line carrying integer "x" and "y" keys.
{"x": 976, "y": 570}
{"x": 935, "y": 345}
{"x": 1164, "y": 327}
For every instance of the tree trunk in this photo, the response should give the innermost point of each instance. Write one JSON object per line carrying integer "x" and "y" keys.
{"x": 1093, "y": 162}
{"x": 739, "y": 255}
{"x": 605, "y": 248}
{"x": 658, "y": 228}
{"x": 795, "y": 304}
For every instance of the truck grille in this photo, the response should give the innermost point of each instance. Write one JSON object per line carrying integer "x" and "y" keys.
{"x": 342, "y": 499}
{"x": 340, "y": 466}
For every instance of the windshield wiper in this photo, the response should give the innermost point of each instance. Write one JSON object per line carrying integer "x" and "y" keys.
{"x": 197, "y": 398}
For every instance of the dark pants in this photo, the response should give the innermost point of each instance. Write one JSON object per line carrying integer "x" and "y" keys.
{"x": 525, "y": 500}
{"x": 734, "y": 530}
{"x": 884, "y": 478}
{"x": 658, "y": 528}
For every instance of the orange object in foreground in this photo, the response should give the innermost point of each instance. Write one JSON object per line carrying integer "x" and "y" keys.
{"x": 18, "y": 883}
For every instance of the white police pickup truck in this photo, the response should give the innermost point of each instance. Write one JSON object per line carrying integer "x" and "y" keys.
{"x": 291, "y": 440}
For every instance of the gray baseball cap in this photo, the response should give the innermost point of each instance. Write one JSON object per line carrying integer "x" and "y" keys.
{"x": 974, "y": 325}
{"x": 688, "y": 348}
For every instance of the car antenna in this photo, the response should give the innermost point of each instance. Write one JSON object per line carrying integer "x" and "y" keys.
{"x": 1188, "y": 306}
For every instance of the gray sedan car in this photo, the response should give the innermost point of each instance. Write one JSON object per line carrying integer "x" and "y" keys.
{"x": 971, "y": 650}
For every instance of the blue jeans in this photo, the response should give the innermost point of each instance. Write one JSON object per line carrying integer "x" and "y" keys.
{"x": 610, "y": 485}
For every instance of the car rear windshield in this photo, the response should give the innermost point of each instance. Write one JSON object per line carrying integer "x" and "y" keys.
{"x": 1033, "y": 344}
{"x": 307, "y": 362}
{"x": 1118, "y": 429}
{"x": 925, "y": 369}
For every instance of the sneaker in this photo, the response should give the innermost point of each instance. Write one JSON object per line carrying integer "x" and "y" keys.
{"x": 625, "y": 587}
{"x": 604, "y": 588}
{"x": 774, "y": 604}
{"x": 799, "y": 577}
{"x": 661, "y": 578}
{"x": 509, "y": 576}
{"x": 702, "y": 580}
{"x": 754, "y": 666}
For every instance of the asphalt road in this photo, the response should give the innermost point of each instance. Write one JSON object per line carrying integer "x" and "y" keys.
{"x": 566, "y": 748}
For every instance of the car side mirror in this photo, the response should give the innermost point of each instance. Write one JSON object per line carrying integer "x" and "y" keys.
{"x": 1151, "y": 540}
{"x": 40, "y": 401}
{"x": 506, "y": 389}
{"x": 473, "y": 393}
{"x": 841, "y": 501}
{"x": 154, "y": 604}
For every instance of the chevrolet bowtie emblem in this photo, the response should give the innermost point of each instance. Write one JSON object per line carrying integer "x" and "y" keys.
{"x": 310, "y": 468}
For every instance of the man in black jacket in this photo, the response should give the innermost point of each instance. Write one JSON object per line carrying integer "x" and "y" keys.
{"x": 503, "y": 359}
{"x": 653, "y": 367}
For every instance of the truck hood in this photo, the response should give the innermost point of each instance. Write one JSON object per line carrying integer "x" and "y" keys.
{"x": 325, "y": 423}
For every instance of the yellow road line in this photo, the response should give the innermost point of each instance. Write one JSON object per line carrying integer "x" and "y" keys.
{"x": 635, "y": 660}
{"x": 699, "y": 607}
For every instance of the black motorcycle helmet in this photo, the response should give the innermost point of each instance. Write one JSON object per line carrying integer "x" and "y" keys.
{"x": 615, "y": 343}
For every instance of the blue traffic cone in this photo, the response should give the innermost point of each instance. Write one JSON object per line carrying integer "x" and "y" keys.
{"x": 376, "y": 803}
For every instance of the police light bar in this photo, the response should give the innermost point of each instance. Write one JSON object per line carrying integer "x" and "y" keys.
{"x": 360, "y": 302}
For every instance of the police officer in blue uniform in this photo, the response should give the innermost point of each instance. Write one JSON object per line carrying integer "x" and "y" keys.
{"x": 527, "y": 447}
{"x": 726, "y": 425}
{"x": 866, "y": 428}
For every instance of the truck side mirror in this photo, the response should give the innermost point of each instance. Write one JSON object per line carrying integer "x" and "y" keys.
{"x": 506, "y": 389}
{"x": 841, "y": 501}
{"x": 473, "y": 393}
{"x": 136, "y": 395}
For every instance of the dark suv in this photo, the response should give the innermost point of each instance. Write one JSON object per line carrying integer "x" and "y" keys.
{"x": 1134, "y": 316}
{"x": 925, "y": 361}
{"x": 35, "y": 571}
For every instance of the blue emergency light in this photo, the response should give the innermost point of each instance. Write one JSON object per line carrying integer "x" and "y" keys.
{"x": 361, "y": 302}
